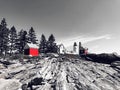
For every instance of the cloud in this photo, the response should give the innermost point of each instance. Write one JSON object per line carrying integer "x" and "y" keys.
{"x": 84, "y": 39}
{"x": 91, "y": 39}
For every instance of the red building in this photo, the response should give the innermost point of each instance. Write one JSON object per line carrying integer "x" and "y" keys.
{"x": 82, "y": 50}
{"x": 31, "y": 49}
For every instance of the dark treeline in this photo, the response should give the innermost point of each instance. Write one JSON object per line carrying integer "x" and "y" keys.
{"x": 103, "y": 58}
{"x": 12, "y": 42}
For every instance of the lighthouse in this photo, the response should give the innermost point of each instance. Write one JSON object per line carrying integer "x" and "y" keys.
{"x": 75, "y": 48}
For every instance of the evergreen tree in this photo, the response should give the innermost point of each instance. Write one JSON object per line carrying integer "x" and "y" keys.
{"x": 51, "y": 38}
{"x": 1, "y": 40}
{"x": 51, "y": 45}
{"x": 43, "y": 44}
{"x": 12, "y": 40}
{"x": 22, "y": 40}
{"x": 32, "y": 36}
{"x": 4, "y": 31}
{"x": 19, "y": 41}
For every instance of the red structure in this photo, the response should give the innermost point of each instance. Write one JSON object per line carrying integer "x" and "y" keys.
{"x": 31, "y": 49}
{"x": 82, "y": 50}
{"x": 86, "y": 51}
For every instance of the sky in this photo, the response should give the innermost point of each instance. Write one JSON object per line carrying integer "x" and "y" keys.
{"x": 95, "y": 23}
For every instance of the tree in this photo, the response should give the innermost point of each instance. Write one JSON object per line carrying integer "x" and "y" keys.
{"x": 32, "y": 36}
{"x": 51, "y": 38}
{"x": 43, "y": 44}
{"x": 12, "y": 40}
{"x": 51, "y": 45}
{"x": 22, "y": 40}
{"x": 4, "y": 31}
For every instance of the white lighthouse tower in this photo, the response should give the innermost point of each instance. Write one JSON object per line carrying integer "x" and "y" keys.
{"x": 75, "y": 48}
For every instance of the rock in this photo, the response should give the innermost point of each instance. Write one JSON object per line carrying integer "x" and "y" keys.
{"x": 24, "y": 87}
{"x": 34, "y": 82}
{"x": 61, "y": 73}
{"x": 5, "y": 62}
{"x": 116, "y": 63}
{"x": 11, "y": 84}
{"x": 102, "y": 58}
{"x": 16, "y": 69}
{"x": 2, "y": 66}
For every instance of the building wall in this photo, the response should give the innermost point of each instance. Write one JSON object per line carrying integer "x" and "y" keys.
{"x": 26, "y": 52}
{"x": 34, "y": 52}
{"x": 76, "y": 49}
{"x": 62, "y": 50}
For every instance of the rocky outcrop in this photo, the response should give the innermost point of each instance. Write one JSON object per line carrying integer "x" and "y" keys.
{"x": 63, "y": 73}
{"x": 9, "y": 84}
{"x": 102, "y": 58}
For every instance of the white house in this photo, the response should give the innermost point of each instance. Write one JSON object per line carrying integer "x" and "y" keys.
{"x": 61, "y": 49}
